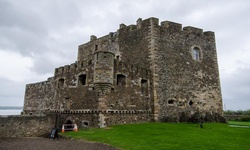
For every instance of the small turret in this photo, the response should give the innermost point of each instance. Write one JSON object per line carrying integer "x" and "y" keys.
{"x": 103, "y": 69}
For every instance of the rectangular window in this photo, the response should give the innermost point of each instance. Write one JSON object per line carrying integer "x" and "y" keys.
{"x": 121, "y": 80}
{"x": 60, "y": 83}
{"x": 82, "y": 79}
{"x": 144, "y": 87}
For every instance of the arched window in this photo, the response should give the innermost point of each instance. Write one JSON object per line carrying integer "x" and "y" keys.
{"x": 196, "y": 53}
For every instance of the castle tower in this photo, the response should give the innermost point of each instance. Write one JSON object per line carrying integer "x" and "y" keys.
{"x": 103, "y": 69}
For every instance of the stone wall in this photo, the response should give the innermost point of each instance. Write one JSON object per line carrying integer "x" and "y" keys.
{"x": 186, "y": 83}
{"x": 39, "y": 97}
{"x": 83, "y": 120}
{"x": 26, "y": 126}
{"x": 127, "y": 117}
{"x": 133, "y": 44}
{"x": 86, "y": 119}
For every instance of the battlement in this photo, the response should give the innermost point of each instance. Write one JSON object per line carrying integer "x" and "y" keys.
{"x": 68, "y": 68}
{"x": 39, "y": 84}
{"x": 64, "y": 69}
{"x": 173, "y": 26}
{"x": 176, "y": 27}
{"x": 101, "y": 44}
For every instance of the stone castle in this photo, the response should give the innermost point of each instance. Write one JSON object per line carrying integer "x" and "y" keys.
{"x": 140, "y": 73}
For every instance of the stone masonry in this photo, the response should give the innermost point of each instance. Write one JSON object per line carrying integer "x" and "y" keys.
{"x": 150, "y": 71}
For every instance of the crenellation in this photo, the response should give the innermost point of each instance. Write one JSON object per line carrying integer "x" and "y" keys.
{"x": 61, "y": 70}
{"x": 122, "y": 25}
{"x": 93, "y": 37}
{"x": 193, "y": 30}
{"x": 209, "y": 34}
{"x": 73, "y": 66}
{"x": 132, "y": 27}
{"x": 66, "y": 68}
{"x": 175, "y": 27}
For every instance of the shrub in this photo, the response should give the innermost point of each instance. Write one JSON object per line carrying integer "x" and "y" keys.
{"x": 245, "y": 118}
{"x": 237, "y": 112}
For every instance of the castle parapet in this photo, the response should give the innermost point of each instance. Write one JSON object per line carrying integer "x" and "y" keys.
{"x": 209, "y": 33}
{"x": 122, "y": 25}
{"x": 193, "y": 30}
{"x": 93, "y": 37}
{"x": 64, "y": 69}
{"x": 172, "y": 25}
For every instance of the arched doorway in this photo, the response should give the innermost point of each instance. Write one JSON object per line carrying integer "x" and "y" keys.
{"x": 68, "y": 126}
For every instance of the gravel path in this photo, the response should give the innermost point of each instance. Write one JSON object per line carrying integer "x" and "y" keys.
{"x": 36, "y": 143}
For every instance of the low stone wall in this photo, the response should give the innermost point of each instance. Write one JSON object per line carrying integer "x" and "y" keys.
{"x": 26, "y": 126}
{"x": 233, "y": 117}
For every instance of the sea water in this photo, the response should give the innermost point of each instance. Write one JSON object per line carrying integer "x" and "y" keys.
{"x": 10, "y": 112}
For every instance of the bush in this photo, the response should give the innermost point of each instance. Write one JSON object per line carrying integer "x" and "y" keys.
{"x": 245, "y": 118}
{"x": 237, "y": 112}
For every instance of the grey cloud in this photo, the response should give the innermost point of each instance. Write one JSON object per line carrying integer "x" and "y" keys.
{"x": 11, "y": 92}
{"x": 236, "y": 87}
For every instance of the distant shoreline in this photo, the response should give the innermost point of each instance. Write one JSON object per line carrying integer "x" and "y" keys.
{"x": 11, "y": 107}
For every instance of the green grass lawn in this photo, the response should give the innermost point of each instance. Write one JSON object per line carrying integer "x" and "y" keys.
{"x": 157, "y": 136}
{"x": 239, "y": 123}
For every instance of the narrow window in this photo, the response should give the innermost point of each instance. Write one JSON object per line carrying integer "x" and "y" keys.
{"x": 96, "y": 47}
{"x": 121, "y": 80}
{"x": 196, "y": 53}
{"x": 191, "y": 103}
{"x": 60, "y": 83}
{"x": 82, "y": 79}
{"x": 144, "y": 87}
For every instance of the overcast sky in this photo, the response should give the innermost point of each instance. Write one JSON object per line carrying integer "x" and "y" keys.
{"x": 38, "y": 36}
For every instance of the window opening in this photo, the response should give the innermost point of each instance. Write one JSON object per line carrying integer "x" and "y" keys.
{"x": 82, "y": 79}
{"x": 144, "y": 87}
{"x": 171, "y": 102}
{"x": 196, "y": 54}
{"x": 121, "y": 80}
{"x": 85, "y": 124}
{"x": 96, "y": 47}
{"x": 60, "y": 83}
{"x": 191, "y": 103}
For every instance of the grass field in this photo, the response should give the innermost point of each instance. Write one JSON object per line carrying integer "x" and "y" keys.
{"x": 239, "y": 123}
{"x": 168, "y": 136}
